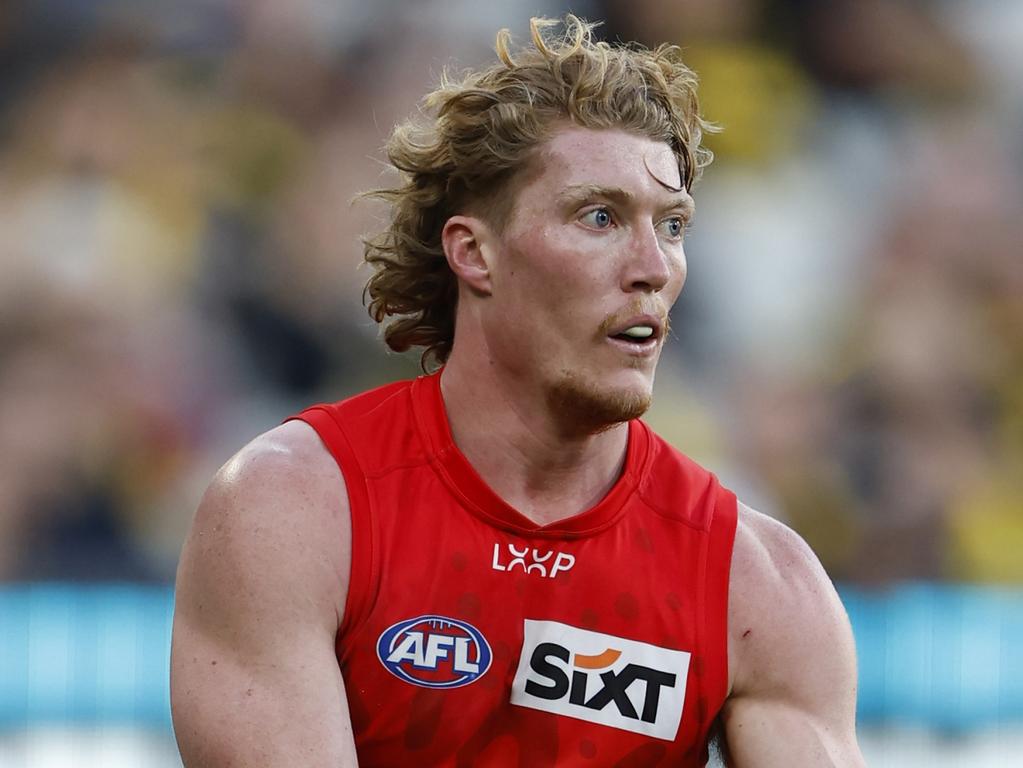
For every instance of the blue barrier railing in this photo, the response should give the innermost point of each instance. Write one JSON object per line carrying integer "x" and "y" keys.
{"x": 79, "y": 654}
{"x": 949, "y": 657}
{"x": 943, "y": 656}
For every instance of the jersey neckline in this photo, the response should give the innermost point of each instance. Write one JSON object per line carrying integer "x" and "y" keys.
{"x": 465, "y": 482}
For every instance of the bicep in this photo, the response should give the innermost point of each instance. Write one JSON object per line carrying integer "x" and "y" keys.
{"x": 254, "y": 677}
{"x": 793, "y": 702}
{"x": 762, "y": 732}
{"x": 284, "y": 707}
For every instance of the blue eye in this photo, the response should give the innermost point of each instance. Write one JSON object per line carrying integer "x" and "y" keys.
{"x": 599, "y": 218}
{"x": 674, "y": 227}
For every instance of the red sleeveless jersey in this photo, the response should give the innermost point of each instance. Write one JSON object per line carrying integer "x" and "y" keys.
{"x": 474, "y": 637}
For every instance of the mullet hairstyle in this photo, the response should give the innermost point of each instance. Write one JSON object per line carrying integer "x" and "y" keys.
{"x": 482, "y": 132}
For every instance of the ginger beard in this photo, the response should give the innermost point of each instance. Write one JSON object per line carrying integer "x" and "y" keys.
{"x": 582, "y": 407}
{"x": 551, "y": 267}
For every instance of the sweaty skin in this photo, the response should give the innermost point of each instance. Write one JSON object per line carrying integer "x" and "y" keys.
{"x": 264, "y": 572}
{"x": 792, "y": 664}
{"x": 594, "y": 242}
{"x": 260, "y": 593}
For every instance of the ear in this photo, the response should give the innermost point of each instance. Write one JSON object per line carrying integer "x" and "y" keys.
{"x": 463, "y": 238}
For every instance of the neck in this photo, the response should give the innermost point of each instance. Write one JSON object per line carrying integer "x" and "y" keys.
{"x": 506, "y": 430}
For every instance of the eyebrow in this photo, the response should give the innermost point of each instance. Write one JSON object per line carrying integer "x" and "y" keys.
{"x": 580, "y": 192}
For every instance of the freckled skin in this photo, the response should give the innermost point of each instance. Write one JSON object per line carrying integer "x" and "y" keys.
{"x": 537, "y": 391}
{"x": 573, "y": 269}
{"x": 792, "y": 663}
{"x": 254, "y": 678}
{"x": 260, "y": 594}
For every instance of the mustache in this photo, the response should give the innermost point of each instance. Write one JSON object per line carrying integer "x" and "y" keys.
{"x": 639, "y": 307}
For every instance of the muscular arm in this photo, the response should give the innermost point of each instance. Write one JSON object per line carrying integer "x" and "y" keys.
{"x": 260, "y": 591}
{"x": 793, "y": 699}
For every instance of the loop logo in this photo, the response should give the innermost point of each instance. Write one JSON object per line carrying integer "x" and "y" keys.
{"x": 601, "y": 678}
{"x": 434, "y": 652}
{"x": 531, "y": 561}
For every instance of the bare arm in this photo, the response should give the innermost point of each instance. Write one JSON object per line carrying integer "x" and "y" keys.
{"x": 260, "y": 591}
{"x": 793, "y": 700}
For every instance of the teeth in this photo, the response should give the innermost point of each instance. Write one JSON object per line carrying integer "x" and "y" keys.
{"x": 639, "y": 332}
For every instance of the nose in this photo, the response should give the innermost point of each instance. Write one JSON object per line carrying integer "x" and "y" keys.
{"x": 651, "y": 266}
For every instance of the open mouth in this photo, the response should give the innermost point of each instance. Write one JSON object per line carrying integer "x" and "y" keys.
{"x": 637, "y": 336}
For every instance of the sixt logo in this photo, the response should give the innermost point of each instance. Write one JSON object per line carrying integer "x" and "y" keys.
{"x": 434, "y": 652}
{"x": 601, "y": 678}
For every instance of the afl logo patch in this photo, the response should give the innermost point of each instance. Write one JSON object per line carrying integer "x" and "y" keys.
{"x": 434, "y": 652}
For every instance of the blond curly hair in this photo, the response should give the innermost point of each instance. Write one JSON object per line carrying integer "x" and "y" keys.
{"x": 482, "y": 132}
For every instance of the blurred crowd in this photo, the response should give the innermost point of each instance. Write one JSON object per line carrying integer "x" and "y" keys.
{"x": 179, "y": 259}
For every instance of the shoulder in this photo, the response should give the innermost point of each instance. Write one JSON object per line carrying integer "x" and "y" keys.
{"x": 283, "y": 479}
{"x": 788, "y": 631}
{"x": 260, "y": 592}
{"x": 272, "y": 524}
{"x": 768, "y": 550}
{"x": 288, "y": 463}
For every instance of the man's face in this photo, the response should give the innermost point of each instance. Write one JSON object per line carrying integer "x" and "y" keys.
{"x": 584, "y": 274}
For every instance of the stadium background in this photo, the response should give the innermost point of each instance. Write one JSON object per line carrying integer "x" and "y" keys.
{"x": 179, "y": 270}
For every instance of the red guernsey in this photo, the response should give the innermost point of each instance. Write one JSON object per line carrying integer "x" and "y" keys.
{"x": 473, "y": 636}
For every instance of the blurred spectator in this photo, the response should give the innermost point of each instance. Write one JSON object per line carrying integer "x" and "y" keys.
{"x": 179, "y": 260}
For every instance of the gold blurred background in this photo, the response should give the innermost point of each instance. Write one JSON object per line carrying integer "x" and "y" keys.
{"x": 179, "y": 260}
